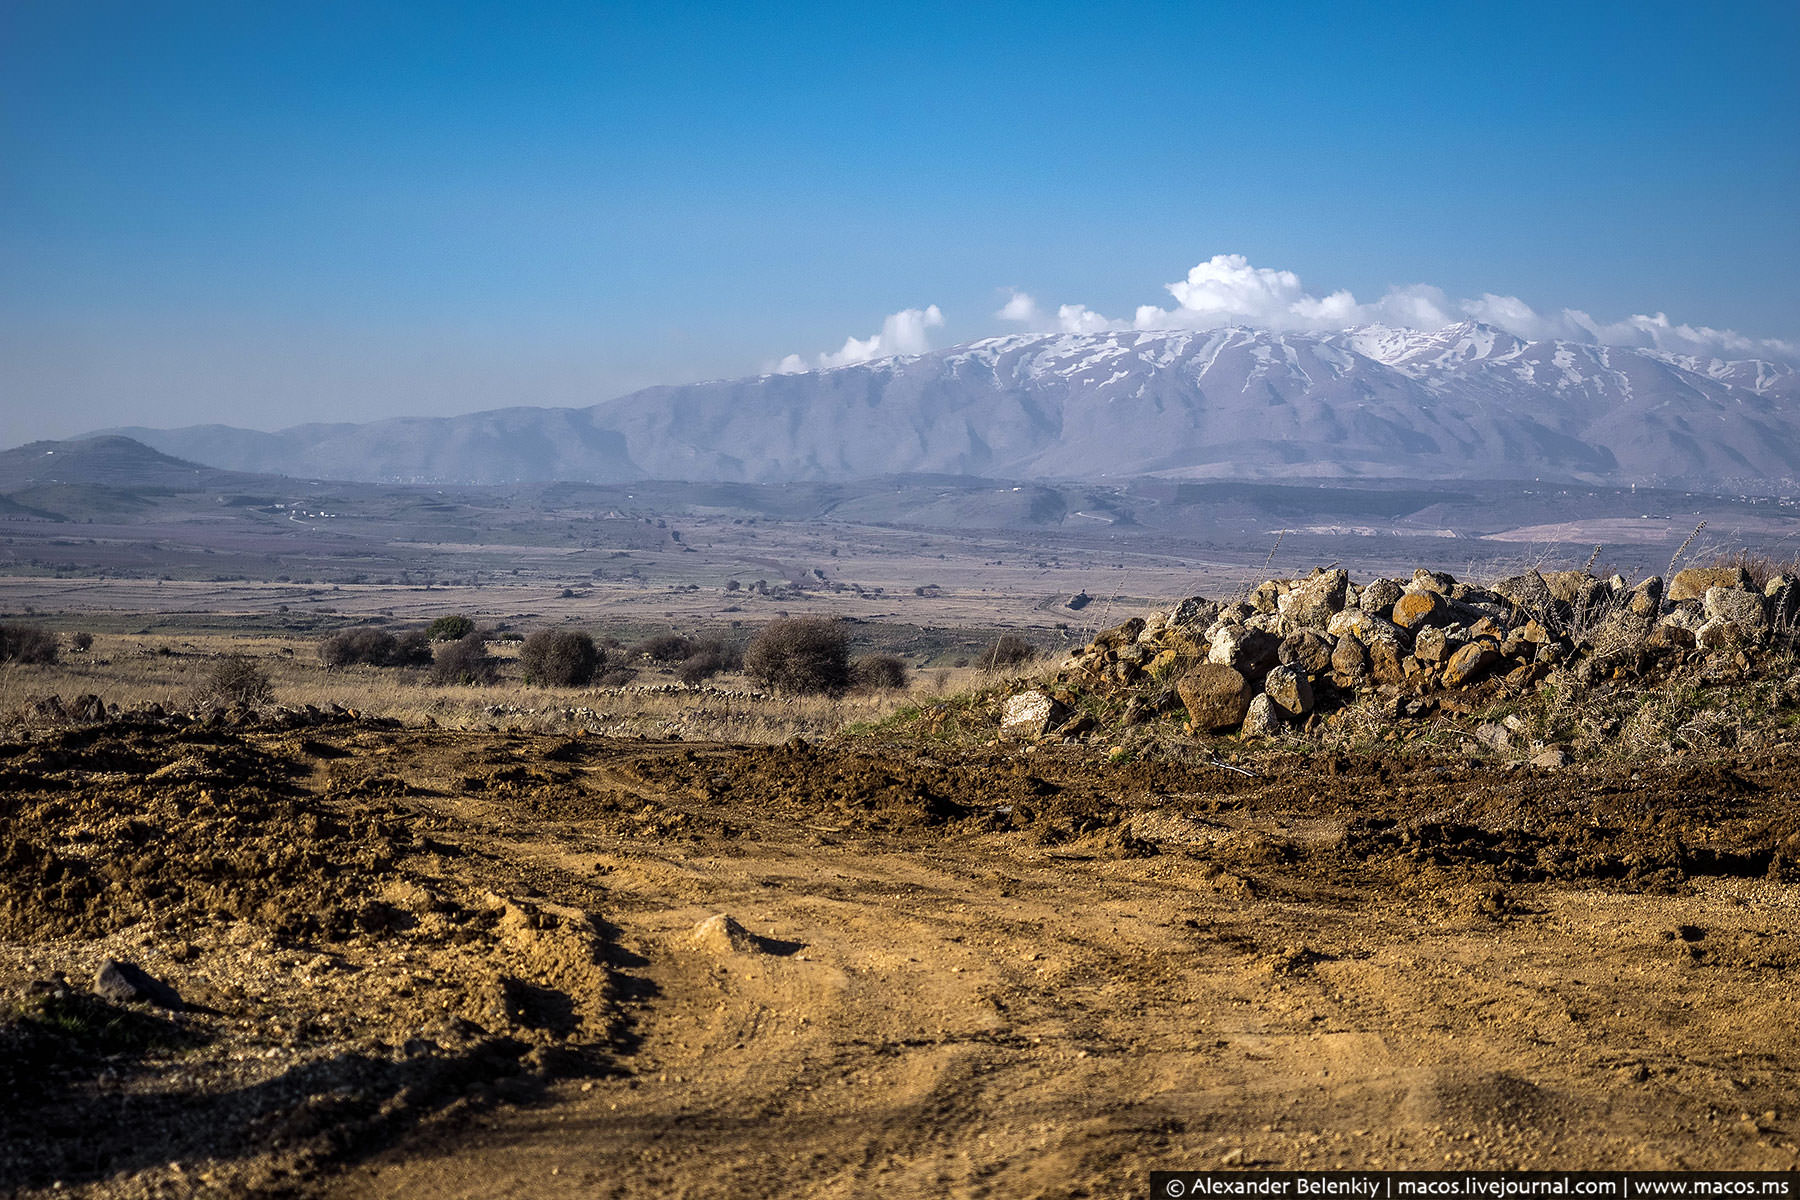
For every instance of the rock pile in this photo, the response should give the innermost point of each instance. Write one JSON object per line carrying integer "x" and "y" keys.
{"x": 1291, "y": 651}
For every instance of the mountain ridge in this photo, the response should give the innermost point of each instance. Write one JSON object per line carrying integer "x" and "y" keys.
{"x": 1466, "y": 401}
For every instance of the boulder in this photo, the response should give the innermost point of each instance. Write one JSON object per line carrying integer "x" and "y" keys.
{"x": 1468, "y": 663}
{"x": 1568, "y": 586}
{"x": 1741, "y": 608}
{"x": 1349, "y": 662}
{"x": 1251, "y": 652}
{"x": 1290, "y": 690}
{"x": 1262, "y": 718}
{"x": 1386, "y": 663}
{"x": 1645, "y": 600}
{"x": 1196, "y": 612}
{"x": 128, "y": 983}
{"x": 1312, "y": 604}
{"x": 1528, "y": 594}
{"x": 1364, "y": 626}
{"x": 1308, "y": 649}
{"x": 1031, "y": 715}
{"x": 1693, "y": 583}
{"x": 1216, "y": 696}
{"x": 1433, "y": 645}
{"x": 1378, "y": 597}
{"x": 1417, "y": 609}
{"x": 1436, "y": 582}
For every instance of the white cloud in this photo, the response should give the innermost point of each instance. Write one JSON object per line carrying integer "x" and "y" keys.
{"x": 904, "y": 332}
{"x": 1228, "y": 289}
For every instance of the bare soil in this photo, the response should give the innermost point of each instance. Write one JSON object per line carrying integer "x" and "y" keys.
{"x": 460, "y": 963}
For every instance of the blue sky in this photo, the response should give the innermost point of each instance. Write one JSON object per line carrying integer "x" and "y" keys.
{"x": 268, "y": 213}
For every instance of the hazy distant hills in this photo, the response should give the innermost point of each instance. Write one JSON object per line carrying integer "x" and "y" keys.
{"x": 1469, "y": 401}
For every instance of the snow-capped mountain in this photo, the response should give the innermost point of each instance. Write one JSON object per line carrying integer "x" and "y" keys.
{"x": 1468, "y": 401}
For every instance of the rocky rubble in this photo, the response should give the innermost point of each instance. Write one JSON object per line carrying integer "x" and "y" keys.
{"x": 1292, "y": 654}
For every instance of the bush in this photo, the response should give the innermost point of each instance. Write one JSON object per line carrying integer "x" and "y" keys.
{"x": 802, "y": 654}
{"x": 665, "y": 648}
{"x": 411, "y": 650}
{"x": 370, "y": 646}
{"x": 450, "y": 629}
{"x": 81, "y": 641}
{"x": 559, "y": 658}
{"x": 27, "y": 644}
{"x": 236, "y": 679}
{"x": 878, "y": 672}
{"x": 465, "y": 660}
{"x": 1009, "y": 650}
{"x": 708, "y": 659}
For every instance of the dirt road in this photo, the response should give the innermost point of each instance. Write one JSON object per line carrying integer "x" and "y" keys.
{"x": 981, "y": 973}
{"x": 1237, "y": 971}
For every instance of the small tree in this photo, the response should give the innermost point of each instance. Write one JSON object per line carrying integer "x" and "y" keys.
{"x": 1008, "y": 650}
{"x": 878, "y": 672}
{"x": 801, "y": 654}
{"x": 236, "y": 679}
{"x": 450, "y": 629}
{"x": 465, "y": 660}
{"x": 559, "y": 658}
{"x": 27, "y": 644}
{"x": 708, "y": 659}
{"x": 664, "y": 647}
{"x": 370, "y": 646}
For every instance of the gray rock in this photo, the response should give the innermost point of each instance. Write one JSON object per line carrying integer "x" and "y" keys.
{"x": 128, "y": 983}
{"x": 1307, "y": 649}
{"x": 1251, "y": 652}
{"x": 1262, "y": 719}
{"x": 1741, "y": 608}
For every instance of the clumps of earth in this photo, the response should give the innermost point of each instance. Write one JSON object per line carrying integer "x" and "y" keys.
{"x": 1310, "y": 656}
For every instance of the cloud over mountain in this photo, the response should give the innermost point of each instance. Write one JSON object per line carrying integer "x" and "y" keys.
{"x": 1227, "y": 290}
{"x": 904, "y": 332}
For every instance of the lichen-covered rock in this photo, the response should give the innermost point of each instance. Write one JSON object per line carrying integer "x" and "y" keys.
{"x": 1468, "y": 663}
{"x": 1031, "y": 715}
{"x": 1216, "y": 696}
{"x": 1433, "y": 645}
{"x": 1290, "y": 690}
{"x": 1417, "y": 609}
{"x": 1196, "y": 612}
{"x": 1693, "y": 583}
{"x": 1528, "y": 593}
{"x": 1379, "y": 596}
{"x": 1312, "y": 604}
{"x": 1365, "y": 627}
{"x": 1645, "y": 600}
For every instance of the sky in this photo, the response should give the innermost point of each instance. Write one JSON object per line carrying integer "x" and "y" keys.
{"x": 263, "y": 214}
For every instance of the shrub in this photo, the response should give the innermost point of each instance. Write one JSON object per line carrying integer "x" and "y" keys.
{"x": 878, "y": 672}
{"x": 370, "y": 646}
{"x": 450, "y": 629}
{"x": 27, "y": 644}
{"x": 236, "y": 679}
{"x": 81, "y": 641}
{"x": 411, "y": 650}
{"x": 1009, "y": 650}
{"x": 708, "y": 659}
{"x": 559, "y": 658}
{"x": 802, "y": 654}
{"x": 465, "y": 660}
{"x": 664, "y": 647}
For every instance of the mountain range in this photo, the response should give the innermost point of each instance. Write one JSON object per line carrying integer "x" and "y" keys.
{"x": 1466, "y": 402}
